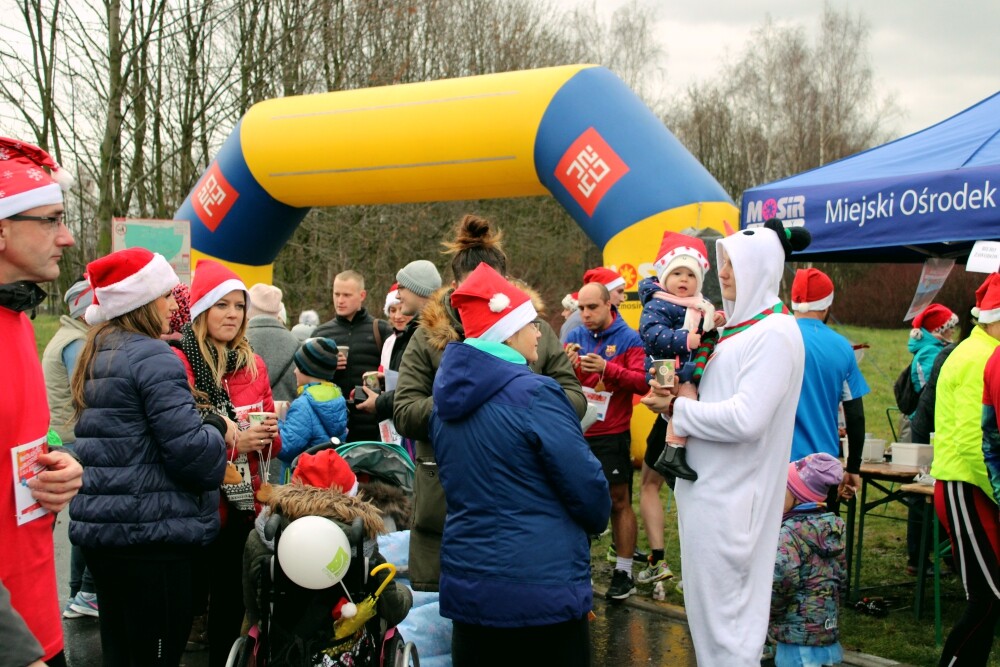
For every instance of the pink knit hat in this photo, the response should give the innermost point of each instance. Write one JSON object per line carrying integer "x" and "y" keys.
{"x": 810, "y": 478}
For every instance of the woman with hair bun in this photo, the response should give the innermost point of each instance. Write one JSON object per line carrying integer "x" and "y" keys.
{"x": 476, "y": 240}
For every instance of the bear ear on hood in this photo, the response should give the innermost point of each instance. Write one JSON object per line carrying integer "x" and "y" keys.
{"x": 793, "y": 239}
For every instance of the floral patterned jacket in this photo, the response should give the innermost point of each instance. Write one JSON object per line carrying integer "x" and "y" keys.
{"x": 810, "y": 573}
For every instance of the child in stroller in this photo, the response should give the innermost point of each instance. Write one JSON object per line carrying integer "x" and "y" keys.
{"x": 295, "y": 626}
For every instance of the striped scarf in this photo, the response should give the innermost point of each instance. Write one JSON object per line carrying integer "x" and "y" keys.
{"x": 711, "y": 339}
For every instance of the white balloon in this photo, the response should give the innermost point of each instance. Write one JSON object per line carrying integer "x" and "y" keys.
{"x": 314, "y": 552}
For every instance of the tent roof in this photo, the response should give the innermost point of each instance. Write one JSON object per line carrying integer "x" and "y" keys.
{"x": 868, "y": 206}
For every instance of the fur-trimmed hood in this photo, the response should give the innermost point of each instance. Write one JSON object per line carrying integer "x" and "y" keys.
{"x": 442, "y": 323}
{"x": 295, "y": 500}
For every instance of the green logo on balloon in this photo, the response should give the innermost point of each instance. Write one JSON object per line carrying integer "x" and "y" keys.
{"x": 338, "y": 566}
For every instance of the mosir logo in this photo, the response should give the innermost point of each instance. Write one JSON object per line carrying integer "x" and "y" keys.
{"x": 213, "y": 197}
{"x": 790, "y": 210}
{"x": 589, "y": 168}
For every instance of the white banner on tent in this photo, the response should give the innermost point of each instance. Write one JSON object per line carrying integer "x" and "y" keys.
{"x": 931, "y": 281}
{"x": 984, "y": 258}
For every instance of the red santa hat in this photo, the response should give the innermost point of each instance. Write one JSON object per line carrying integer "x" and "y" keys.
{"x": 935, "y": 318}
{"x": 680, "y": 250}
{"x": 811, "y": 290}
{"x": 571, "y": 301}
{"x": 326, "y": 469}
{"x": 392, "y": 298}
{"x": 490, "y": 307}
{"x": 24, "y": 183}
{"x": 211, "y": 282}
{"x": 987, "y": 309}
{"x": 126, "y": 280}
{"x": 607, "y": 277}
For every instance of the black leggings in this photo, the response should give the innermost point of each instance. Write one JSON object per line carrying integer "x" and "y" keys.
{"x": 225, "y": 598}
{"x": 565, "y": 644}
{"x": 973, "y": 525}
{"x": 145, "y": 607}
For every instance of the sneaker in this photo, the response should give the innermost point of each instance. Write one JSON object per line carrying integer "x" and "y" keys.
{"x": 68, "y": 611}
{"x": 637, "y": 556}
{"x": 654, "y": 573}
{"x": 85, "y": 604}
{"x": 621, "y": 586}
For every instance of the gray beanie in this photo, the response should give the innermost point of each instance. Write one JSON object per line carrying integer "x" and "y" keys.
{"x": 420, "y": 277}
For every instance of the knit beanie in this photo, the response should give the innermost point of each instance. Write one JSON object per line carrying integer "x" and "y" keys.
{"x": 78, "y": 297}
{"x": 264, "y": 300}
{"x": 309, "y": 317}
{"x": 810, "y": 478}
{"x": 420, "y": 277}
{"x": 326, "y": 469}
{"x": 317, "y": 357}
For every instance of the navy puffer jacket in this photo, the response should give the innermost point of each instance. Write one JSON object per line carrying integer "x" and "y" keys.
{"x": 152, "y": 469}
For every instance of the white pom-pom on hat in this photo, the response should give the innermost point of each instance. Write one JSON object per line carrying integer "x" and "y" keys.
{"x": 499, "y": 302}
{"x": 63, "y": 178}
{"x": 349, "y": 610}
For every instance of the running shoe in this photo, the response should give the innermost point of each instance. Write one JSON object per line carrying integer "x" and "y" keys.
{"x": 653, "y": 573}
{"x": 85, "y": 604}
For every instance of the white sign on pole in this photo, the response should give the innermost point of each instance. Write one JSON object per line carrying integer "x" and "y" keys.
{"x": 984, "y": 258}
{"x": 170, "y": 238}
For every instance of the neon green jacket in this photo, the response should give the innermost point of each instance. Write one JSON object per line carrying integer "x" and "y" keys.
{"x": 958, "y": 411}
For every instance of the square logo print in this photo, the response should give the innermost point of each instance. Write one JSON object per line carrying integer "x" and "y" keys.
{"x": 213, "y": 197}
{"x": 589, "y": 168}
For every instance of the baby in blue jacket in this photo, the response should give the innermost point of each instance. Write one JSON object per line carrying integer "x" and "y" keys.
{"x": 320, "y": 411}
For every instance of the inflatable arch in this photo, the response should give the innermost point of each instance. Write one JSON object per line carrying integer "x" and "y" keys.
{"x": 576, "y": 132}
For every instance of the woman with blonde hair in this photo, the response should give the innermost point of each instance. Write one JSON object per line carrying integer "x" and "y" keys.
{"x": 228, "y": 379}
{"x": 152, "y": 465}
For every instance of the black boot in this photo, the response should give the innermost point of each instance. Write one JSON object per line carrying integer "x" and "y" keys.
{"x": 673, "y": 462}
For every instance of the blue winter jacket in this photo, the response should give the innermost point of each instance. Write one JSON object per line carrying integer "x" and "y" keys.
{"x": 152, "y": 469}
{"x": 318, "y": 414}
{"x": 924, "y": 350}
{"x": 661, "y": 327}
{"x": 523, "y": 492}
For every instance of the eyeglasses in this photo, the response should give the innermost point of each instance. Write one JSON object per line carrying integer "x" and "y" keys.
{"x": 537, "y": 324}
{"x": 52, "y": 221}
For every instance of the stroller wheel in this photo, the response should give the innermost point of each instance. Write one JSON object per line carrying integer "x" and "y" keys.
{"x": 398, "y": 653}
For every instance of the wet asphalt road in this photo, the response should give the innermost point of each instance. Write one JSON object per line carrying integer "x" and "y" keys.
{"x": 624, "y": 636}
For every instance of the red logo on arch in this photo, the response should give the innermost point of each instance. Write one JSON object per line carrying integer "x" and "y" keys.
{"x": 213, "y": 197}
{"x": 589, "y": 168}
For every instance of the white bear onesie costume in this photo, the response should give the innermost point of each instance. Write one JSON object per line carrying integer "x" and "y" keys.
{"x": 739, "y": 440}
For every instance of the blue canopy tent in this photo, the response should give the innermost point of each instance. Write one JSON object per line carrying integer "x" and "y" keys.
{"x": 930, "y": 194}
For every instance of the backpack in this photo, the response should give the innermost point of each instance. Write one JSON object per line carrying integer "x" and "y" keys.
{"x": 906, "y": 394}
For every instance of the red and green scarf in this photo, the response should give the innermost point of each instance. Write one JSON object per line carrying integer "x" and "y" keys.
{"x": 709, "y": 342}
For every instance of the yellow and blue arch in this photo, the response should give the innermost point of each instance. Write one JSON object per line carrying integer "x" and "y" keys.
{"x": 576, "y": 132}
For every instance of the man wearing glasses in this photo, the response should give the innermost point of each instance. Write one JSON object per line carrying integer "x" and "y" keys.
{"x": 34, "y": 482}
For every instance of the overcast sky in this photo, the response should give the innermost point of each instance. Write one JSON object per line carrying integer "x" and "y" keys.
{"x": 935, "y": 57}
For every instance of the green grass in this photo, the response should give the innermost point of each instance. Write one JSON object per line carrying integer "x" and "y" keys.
{"x": 899, "y": 636}
{"x": 45, "y": 328}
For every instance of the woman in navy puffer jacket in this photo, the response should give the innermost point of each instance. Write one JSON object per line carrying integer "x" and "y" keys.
{"x": 522, "y": 487}
{"x": 152, "y": 467}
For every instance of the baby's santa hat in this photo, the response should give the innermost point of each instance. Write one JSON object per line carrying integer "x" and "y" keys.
{"x": 605, "y": 276}
{"x": 326, "y": 469}
{"x": 680, "y": 250}
{"x": 392, "y": 298}
{"x": 490, "y": 307}
{"x": 935, "y": 318}
{"x": 987, "y": 309}
{"x": 212, "y": 281}
{"x": 24, "y": 183}
{"x": 126, "y": 280}
{"x": 811, "y": 290}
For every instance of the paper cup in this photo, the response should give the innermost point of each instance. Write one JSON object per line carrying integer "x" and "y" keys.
{"x": 281, "y": 407}
{"x": 344, "y": 349}
{"x": 663, "y": 372}
{"x": 257, "y": 417}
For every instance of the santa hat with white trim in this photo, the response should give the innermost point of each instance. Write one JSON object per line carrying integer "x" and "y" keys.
{"x": 680, "y": 250}
{"x": 811, "y": 290}
{"x": 126, "y": 280}
{"x": 211, "y": 282}
{"x": 490, "y": 307}
{"x": 987, "y": 308}
{"x": 392, "y": 298}
{"x": 607, "y": 277}
{"x": 934, "y": 318}
{"x": 24, "y": 184}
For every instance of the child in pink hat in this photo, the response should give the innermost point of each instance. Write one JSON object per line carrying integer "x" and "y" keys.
{"x": 810, "y": 568}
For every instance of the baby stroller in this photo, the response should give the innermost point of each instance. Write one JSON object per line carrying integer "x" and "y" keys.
{"x": 303, "y": 626}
